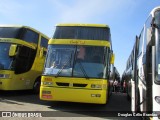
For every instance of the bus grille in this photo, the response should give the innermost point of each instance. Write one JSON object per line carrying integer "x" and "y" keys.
{"x": 71, "y": 85}
{"x": 62, "y": 84}
{"x": 79, "y": 85}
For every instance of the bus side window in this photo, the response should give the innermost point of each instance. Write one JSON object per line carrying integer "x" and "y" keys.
{"x": 140, "y": 43}
{"x": 44, "y": 44}
{"x": 31, "y": 36}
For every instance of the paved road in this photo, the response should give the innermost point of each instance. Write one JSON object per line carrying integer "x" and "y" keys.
{"x": 27, "y": 101}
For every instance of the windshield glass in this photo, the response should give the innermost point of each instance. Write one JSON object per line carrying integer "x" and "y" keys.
{"x": 9, "y": 32}
{"x": 89, "y": 62}
{"x": 157, "y": 21}
{"x": 158, "y": 63}
{"x": 157, "y": 18}
{"x": 59, "y": 60}
{"x": 76, "y": 61}
{"x": 5, "y": 60}
{"x": 88, "y": 33}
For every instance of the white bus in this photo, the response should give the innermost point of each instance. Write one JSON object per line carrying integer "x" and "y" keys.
{"x": 143, "y": 68}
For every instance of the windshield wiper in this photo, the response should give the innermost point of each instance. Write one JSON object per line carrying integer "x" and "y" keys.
{"x": 64, "y": 65}
{"x": 82, "y": 69}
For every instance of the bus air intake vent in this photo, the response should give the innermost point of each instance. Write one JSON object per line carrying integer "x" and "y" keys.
{"x": 62, "y": 84}
{"x": 79, "y": 85}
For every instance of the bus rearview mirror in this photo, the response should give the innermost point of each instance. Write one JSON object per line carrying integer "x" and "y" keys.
{"x": 112, "y": 59}
{"x": 12, "y": 50}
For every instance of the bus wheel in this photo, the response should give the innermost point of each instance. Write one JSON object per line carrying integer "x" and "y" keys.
{"x": 108, "y": 95}
{"x": 138, "y": 103}
{"x": 128, "y": 97}
{"x": 36, "y": 86}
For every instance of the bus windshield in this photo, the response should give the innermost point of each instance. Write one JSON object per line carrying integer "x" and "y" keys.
{"x": 76, "y": 61}
{"x": 88, "y": 33}
{"x": 5, "y": 60}
{"x": 9, "y": 32}
{"x": 157, "y": 22}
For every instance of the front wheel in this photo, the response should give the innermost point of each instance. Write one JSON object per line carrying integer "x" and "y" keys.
{"x": 36, "y": 86}
{"x": 128, "y": 97}
{"x": 138, "y": 103}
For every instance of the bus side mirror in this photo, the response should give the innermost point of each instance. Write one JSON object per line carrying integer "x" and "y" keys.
{"x": 12, "y": 50}
{"x": 41, "y": 52}
{"x": 112, "y": 58}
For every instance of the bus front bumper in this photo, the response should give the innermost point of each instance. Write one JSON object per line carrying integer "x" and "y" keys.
{"x": 5, "y": 84}
{"x": 73, "y": 95}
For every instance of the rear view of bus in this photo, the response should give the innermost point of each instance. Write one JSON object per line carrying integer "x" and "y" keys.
{"x": 77, "y": 66}
{"x": 22, "y": 54}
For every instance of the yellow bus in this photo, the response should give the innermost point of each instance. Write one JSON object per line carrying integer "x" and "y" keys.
{"x": 22, "y": 55}
{"x": 77, "y": 65}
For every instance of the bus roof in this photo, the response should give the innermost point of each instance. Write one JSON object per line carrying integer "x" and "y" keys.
{"x": 22, "y": 26}
{"x": 155, "y": 9}
{"x": 84, "y": 25}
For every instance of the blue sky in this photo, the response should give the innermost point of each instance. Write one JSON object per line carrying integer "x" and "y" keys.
{"x": 125, "y": 18}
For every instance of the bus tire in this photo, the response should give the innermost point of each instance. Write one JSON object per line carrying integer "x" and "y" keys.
{"x": 109, "y": 94}
{"x": 138, "y": 103}
{"x": 128, "y": 97}
{"x": 36, "y": 86}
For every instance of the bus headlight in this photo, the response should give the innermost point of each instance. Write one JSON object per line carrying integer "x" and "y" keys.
{"x": 4, "y": 76}
{"x": 97, "y": 86}
{"x": 157, "y": 99}
{"x": 47, "y": 83}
